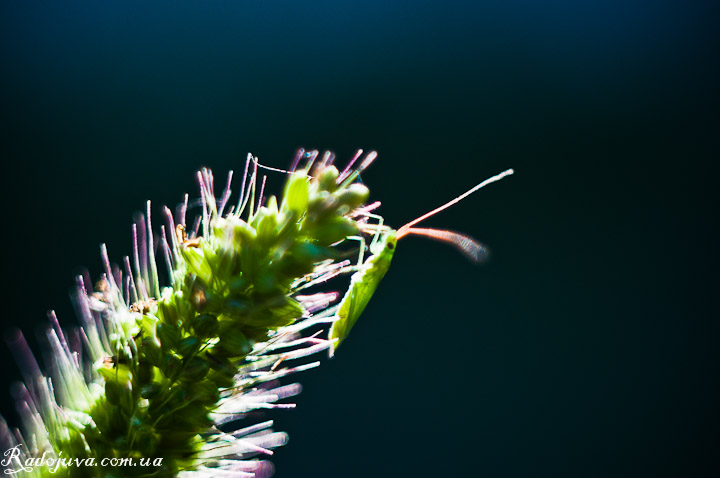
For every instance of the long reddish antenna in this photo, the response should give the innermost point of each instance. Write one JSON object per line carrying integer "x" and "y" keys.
{"x": 404, "y": 229}
{"x": 475, "y": 251}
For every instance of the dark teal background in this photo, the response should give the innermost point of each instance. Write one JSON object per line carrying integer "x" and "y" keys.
{"x": 588, "y": 346}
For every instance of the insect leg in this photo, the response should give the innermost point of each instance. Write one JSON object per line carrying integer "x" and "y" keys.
{"x": 361, "y": 255}
{"x": 379, "y": 225}
{"x": 341, "y": 270}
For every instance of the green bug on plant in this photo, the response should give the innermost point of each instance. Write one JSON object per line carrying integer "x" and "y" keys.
{"x": 365, "y": 281}
{"x": 159, "y": 381}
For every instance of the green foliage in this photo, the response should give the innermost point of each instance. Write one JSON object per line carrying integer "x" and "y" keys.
{"x": 169, "y": 367}
{"x": 174, "y": 357}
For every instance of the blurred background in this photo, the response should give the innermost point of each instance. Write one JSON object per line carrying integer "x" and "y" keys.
{"x": 587, "y": 346}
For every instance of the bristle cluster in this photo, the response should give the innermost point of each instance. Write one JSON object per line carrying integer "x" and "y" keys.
{"x": 161, "y": 373}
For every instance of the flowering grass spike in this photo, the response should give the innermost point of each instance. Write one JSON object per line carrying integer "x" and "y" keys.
{"x": 163, "y": 381}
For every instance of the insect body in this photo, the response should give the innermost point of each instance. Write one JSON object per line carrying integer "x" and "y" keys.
{"x": 365, "y": 281}
{"x": 363, "y": 284}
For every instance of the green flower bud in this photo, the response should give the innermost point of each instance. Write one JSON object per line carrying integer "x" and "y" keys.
{"x": 335, "y": 231}
{"x": 265, "y": 222}
{"x": 195, "y": 259}
{"x": 151, "y": 351}
{"x": 297, "y": 193}
{"x": 327, "y": 179}
{"x": 195, "y": 369}
{"x": 238, "y": 306}
{"x": 353, "y": 196}
{"x": 235, "y": 342}
{"x": 205, "y": 326}
{"x": 188, "y": 346}
{"x": 242, "y": 232}
{"x": 169, "y": 336}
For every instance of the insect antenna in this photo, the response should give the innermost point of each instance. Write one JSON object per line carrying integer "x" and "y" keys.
{"x": 474, "y": 250}
{"x": 404, "y": 229}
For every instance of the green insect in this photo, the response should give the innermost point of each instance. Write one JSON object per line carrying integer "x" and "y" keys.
{"x": 370, "y": 272}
